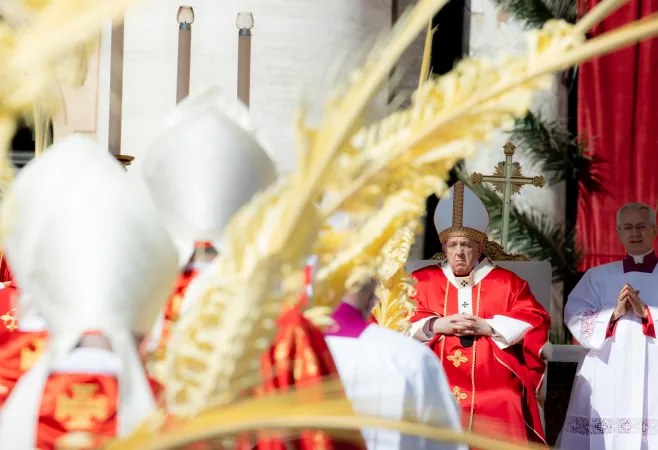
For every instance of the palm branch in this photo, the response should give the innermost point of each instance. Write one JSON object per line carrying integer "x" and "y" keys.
{"x": 559, "y": 154}
{"x": 535, "y": 13}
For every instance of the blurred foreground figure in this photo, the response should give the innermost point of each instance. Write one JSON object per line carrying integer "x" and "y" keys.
{"x": 299, "y": 358}
{"x": 202, "y": 168}
{"x": 387, "y": 375}
{"x": 610, "y": 312}
{"x": 467, "y": 305}
{"x": 98, "y": 299}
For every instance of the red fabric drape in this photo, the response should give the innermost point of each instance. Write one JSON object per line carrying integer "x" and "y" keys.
{"x": 617, "y": 114}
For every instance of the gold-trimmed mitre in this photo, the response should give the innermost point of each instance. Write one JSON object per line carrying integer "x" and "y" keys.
{"x": 462, "y": 213}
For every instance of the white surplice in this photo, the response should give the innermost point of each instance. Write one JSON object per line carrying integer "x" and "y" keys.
{"x": 388, "y": 375}
{"x": 614, "y": 400}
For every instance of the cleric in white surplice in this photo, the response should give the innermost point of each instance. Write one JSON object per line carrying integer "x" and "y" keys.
{"x": 614, "y": 401}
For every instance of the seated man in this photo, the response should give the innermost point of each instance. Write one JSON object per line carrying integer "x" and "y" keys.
{"x": 466, "y": 306}
{"x": 610, "y": 312}
{"x": 99, "y": 299}
{"x": 388, "y": 375}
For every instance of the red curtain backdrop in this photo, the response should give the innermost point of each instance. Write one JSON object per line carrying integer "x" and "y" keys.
{"x": 618, "y": 115}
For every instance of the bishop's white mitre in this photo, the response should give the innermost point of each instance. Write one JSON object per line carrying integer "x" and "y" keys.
{"x": 90, "y": 250}
{"x": 205, "y": 164}
{"x": 462, "y": 213}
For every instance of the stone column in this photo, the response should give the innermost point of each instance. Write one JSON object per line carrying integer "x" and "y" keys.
{"x": 294, "y": 42}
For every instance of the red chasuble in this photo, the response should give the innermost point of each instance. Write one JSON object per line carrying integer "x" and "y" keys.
{"x": 19, "y": 350}
{"x": 79, "y": 405}
{"x": 5, "y": 274}
{"x": 495, "y": 387}
{"x": 299, "y": 357}
{"x": 8, "y": 309}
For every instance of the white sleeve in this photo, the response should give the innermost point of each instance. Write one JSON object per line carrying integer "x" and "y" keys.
{"x": 424, "y": 325}
{"x": 433, "y": 403}
{"x": 507, "y": 331}
{"x": 587, "y": 320}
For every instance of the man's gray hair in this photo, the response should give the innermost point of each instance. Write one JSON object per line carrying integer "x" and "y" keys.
{"x": 639, "y": 207}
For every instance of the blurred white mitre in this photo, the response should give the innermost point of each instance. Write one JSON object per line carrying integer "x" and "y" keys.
{"x": 90, "y": 251}
{"x": 204, "y": 166}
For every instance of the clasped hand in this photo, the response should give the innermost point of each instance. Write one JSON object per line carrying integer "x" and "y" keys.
{"x": 463, "y": 324}
{"x": 629, "y": 297}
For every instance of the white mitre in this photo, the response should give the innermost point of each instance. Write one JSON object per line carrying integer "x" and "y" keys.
{"x": 462, "y": 213}
{"x": 91, "y": 252}
{"x": 204, "y": 166}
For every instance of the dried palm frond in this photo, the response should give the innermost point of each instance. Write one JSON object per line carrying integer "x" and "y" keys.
{"x": 396, "y": 288}
{"x": 409, "y": 154}
{"x": 35, "y": 38}
{"x": 217, "y": 344}
{"x": 385, "y": 170}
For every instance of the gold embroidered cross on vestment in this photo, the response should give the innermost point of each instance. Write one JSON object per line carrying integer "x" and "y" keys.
{"x": 78, "y": 410}
{"x": 10, "y": 319}
{"x": 457, "y": 359}
{"x": 458, "y": 394}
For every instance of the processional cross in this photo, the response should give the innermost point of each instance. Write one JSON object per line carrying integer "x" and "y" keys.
{"x": 507, "y": 180}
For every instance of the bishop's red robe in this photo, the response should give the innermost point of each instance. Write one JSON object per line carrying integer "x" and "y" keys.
{"x": 80, "y": 404}
{"x": 19, "y": 348}
{"x": 174, "y": 306}
{"x": 5, "y": 274}
{"x": 299, "y": 357}
{"x": 495, "y": 379}
{"x": 172, "y": 309}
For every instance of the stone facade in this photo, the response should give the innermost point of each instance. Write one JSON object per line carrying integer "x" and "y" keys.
{"x": 295, "y": 45}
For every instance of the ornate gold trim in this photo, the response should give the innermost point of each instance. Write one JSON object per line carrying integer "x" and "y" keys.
{"x": 462, "y": 231}
{"x": 492, "y": 250}
{"x": 459, "y": 395}
{"x": 457, "y": 358}
{"x": 457, "y": 207}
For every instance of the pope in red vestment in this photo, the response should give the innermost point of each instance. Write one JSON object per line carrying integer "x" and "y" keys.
{"x": 484, "y": 324}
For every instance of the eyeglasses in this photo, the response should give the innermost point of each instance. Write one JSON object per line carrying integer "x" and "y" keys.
{"x": 641, "y": 228}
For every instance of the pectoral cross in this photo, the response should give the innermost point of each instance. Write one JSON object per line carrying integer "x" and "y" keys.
{"x": 507, "y": 180}
{"x": 78, "y": 410}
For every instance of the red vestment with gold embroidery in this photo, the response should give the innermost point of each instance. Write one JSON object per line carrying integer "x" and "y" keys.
{"x": 299, "y": 358}
{"x": 79, "y": 403}
{"x": 19, "y": 350}
{"x": 496, "y": 388}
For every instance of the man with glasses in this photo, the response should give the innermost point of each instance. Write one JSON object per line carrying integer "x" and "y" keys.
{"x": 614, "y": 405}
